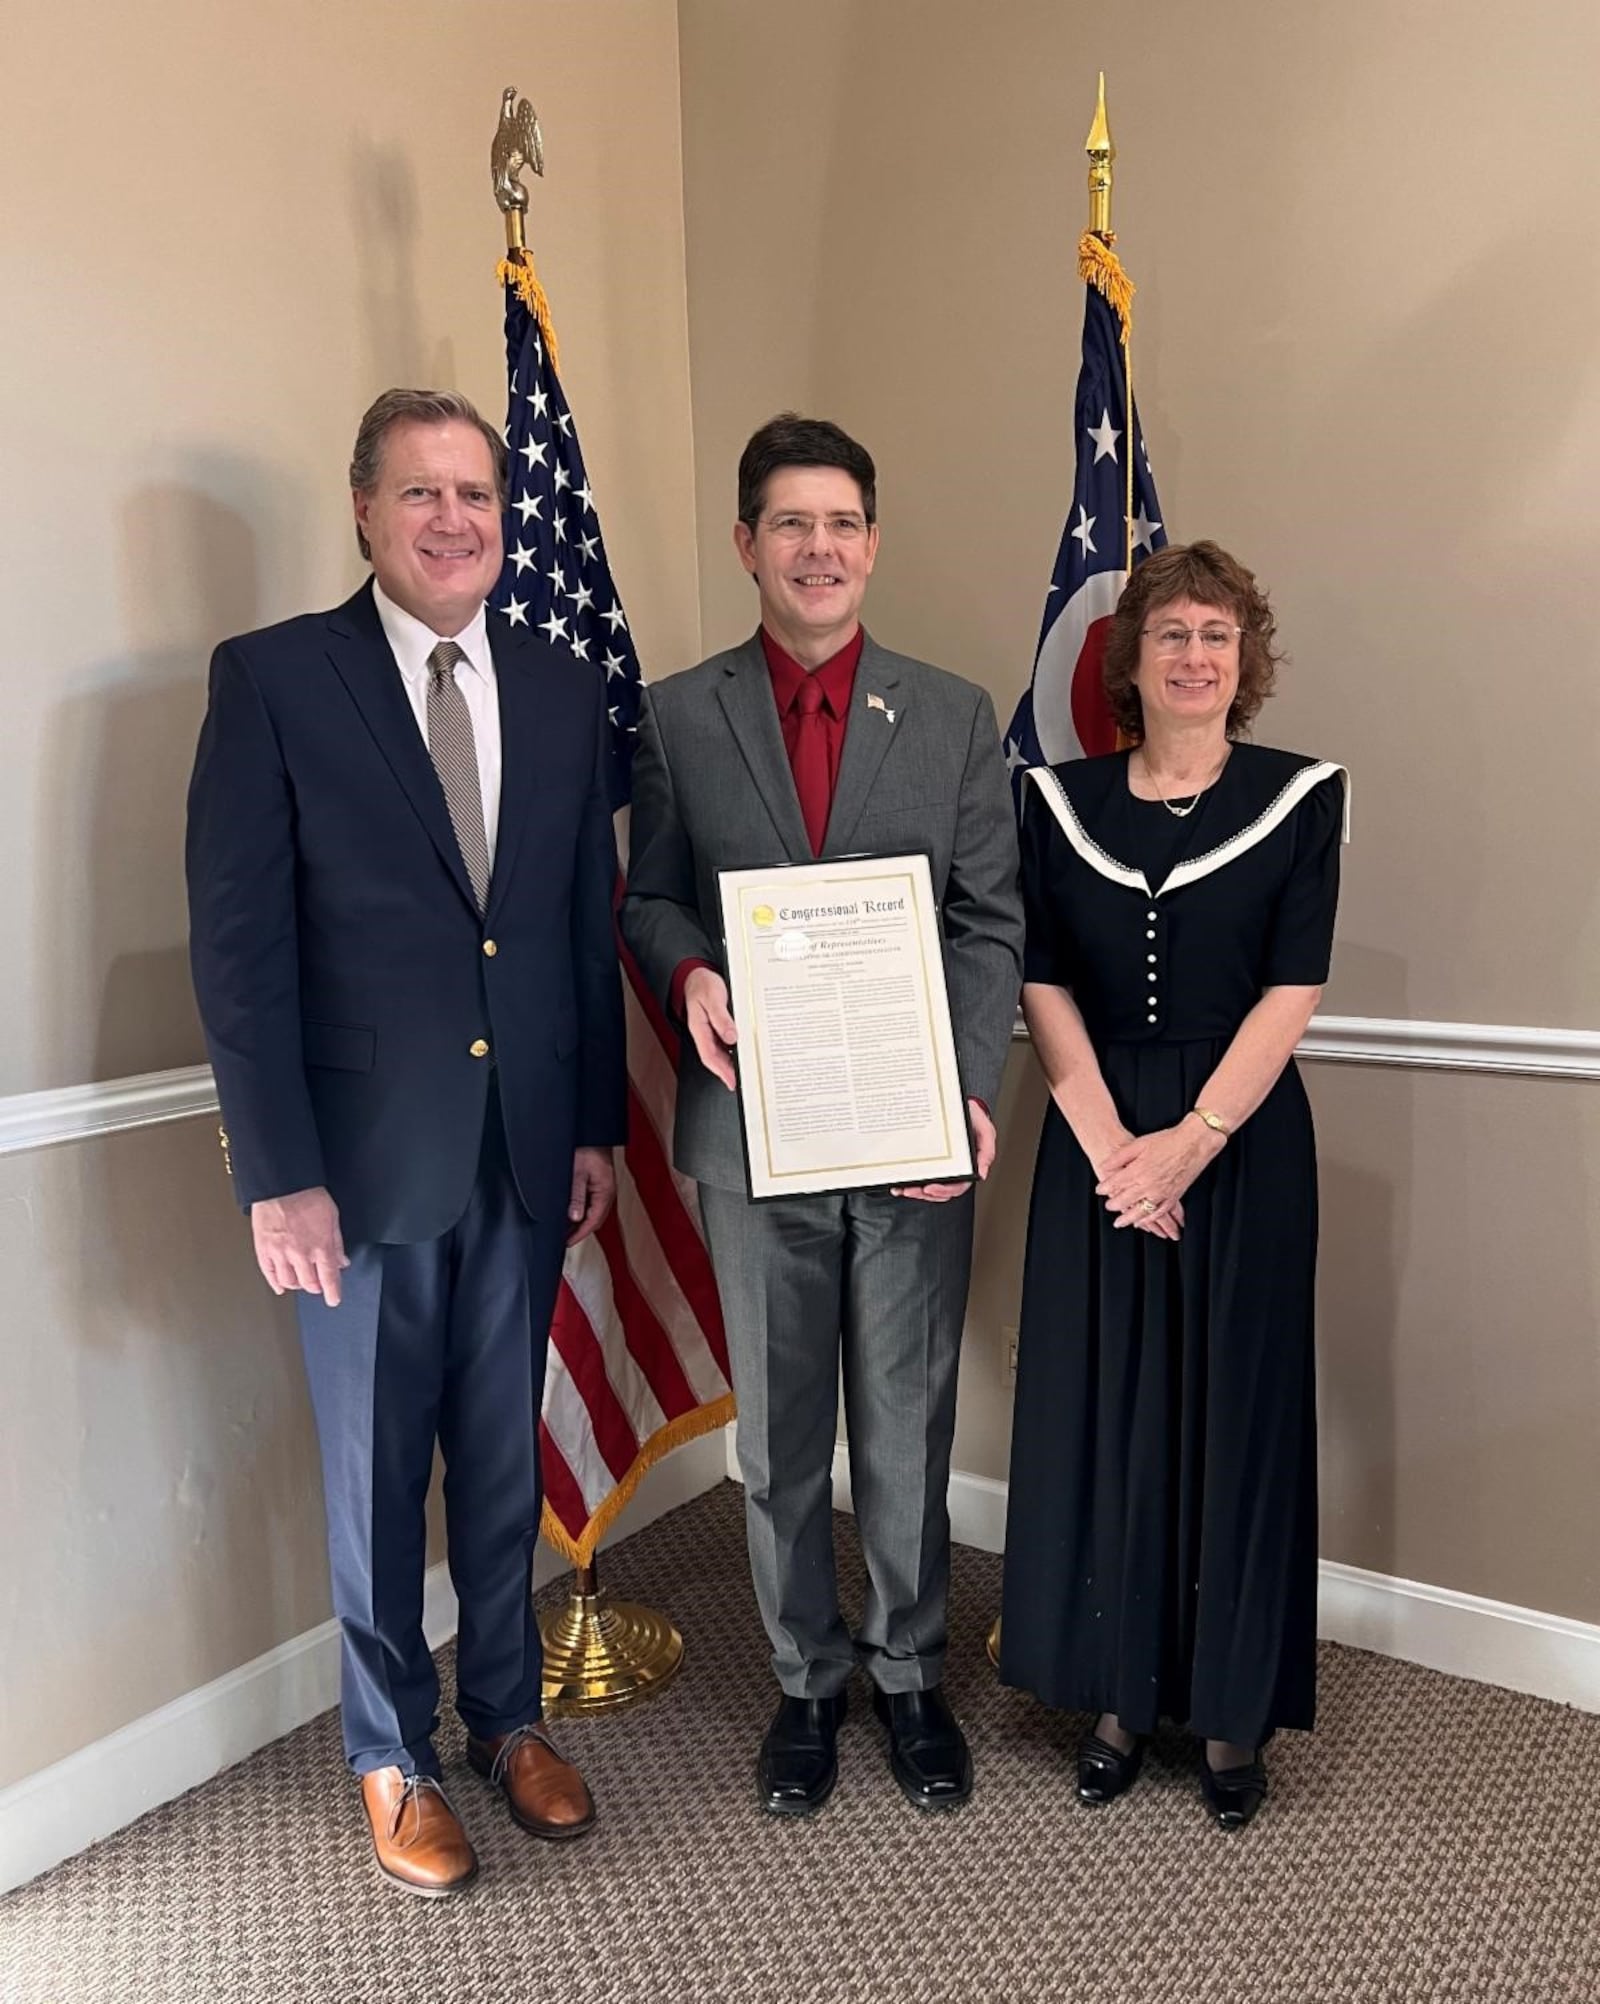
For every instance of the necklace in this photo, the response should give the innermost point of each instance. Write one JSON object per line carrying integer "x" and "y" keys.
{"x": 1182, "y": 813}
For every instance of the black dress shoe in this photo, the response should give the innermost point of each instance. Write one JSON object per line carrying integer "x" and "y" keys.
{"x": 1234, "y": 1794}
{"x": 926, "y": 1749}
{"x": 798, "y": 1764}
{"x": 1104, "y": 1771}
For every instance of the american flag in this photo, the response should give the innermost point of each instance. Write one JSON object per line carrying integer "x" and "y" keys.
{"x": 1063, "y": 713}
{"x": 638, "y": 1361}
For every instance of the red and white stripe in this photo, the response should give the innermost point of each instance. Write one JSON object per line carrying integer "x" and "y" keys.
{"x": 638, "y": 1359}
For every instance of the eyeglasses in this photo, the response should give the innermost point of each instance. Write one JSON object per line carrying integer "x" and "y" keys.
{"x": 1174, "y": 639}
{"x": 798, "y": 528}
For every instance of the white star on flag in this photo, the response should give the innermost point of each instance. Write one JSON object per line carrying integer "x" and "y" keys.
{"x": 1086, "y": 522}
{"x": 517, "y": 612}
{"x": 1105, "y": 436}
{"x": 1144, "y": 530}
{"x": 555, "y": 628}
{"x": 1015, "y": 762}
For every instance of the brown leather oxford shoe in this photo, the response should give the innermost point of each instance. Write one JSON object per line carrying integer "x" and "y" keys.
{"x": 417, "y": 1837}
{"x": 546, "y": 1793}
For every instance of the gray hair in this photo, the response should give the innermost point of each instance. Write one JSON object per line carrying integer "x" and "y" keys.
{"x": 416, "y": 407}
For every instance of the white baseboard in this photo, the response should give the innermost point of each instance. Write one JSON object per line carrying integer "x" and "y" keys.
{"x": 1487, "y": 1641}
{"x": 53, "y": 1814}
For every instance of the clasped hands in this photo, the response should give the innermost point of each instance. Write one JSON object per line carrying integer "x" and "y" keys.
{"x": 710, "y": 1024}
{"x": 1144, "y": 1177}
{"x": 300, "y": 1247}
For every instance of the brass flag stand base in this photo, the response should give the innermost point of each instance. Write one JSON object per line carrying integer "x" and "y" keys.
{"x": 992, "y": 1646}
{"x": 601, "y": 1654}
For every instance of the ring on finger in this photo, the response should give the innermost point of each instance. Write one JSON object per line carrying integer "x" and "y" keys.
{"x": 1149, "y": 1208}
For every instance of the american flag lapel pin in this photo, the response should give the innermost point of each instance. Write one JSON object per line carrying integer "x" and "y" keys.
{"x": 876, "y": 702}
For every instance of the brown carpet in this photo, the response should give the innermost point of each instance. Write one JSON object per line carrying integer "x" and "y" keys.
{"x": 1434, "y": 1840}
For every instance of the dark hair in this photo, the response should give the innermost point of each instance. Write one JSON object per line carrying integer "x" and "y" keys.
{"x": 1205, "y": 573}
{"x": 792, "y": 440}
{"x": 416, "y": 407}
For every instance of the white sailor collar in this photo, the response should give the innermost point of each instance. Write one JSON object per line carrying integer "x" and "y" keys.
{"x": 1283, "y": 803}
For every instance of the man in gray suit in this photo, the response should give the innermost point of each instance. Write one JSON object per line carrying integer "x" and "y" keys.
{"x": 811, "y": 740}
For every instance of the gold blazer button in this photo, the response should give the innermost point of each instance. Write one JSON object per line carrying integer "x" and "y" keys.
{"x": 478, "y": 1048}
{"x": 490, "y": 949}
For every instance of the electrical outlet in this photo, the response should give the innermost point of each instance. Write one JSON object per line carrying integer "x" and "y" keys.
{"x": 1008, "y": 1356}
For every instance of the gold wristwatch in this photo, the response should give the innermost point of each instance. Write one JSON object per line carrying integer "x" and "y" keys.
{"x": 1212, "y": 1120}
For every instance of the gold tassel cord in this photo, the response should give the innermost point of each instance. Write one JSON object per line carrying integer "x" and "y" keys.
{"x": 1099, "y": 266}
{"x": 518, "y": 271}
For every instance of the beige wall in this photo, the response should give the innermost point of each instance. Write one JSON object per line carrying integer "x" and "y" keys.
{"x": 1367, "y": 357}
{"x": 238, "y": 225}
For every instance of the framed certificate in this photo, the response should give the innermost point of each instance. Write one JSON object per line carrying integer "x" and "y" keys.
{"x": 846, "y": 1056}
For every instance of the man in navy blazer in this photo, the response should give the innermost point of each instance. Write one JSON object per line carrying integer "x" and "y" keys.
{"x": 401, "y": 869}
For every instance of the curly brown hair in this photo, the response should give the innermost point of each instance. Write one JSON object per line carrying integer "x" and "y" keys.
{"x": 1206, "y": 574}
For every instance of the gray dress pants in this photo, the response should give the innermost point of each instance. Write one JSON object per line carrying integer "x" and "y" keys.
{"x": 879, "y": 1284}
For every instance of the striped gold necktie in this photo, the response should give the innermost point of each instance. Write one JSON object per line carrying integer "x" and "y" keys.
{"x": 454, "y": 751}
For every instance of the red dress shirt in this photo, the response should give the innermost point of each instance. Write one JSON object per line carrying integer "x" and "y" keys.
{"x": 836, "y": 678}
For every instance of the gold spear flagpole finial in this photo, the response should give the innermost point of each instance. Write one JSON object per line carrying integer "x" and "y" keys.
{"x": 1099, "y": 266}
{"x": 1101, "y": 154}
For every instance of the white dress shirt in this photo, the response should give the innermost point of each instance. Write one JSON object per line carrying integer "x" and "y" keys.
{"x": 411, "y": 643}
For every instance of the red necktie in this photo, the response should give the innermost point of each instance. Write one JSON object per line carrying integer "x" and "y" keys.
{"x": 811, "y": 762}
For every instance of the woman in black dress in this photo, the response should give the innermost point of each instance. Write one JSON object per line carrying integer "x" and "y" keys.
{"x": 1161, "y": 1554}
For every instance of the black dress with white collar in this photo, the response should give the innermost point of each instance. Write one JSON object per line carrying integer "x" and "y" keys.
{"x": 1162, "y": 1545}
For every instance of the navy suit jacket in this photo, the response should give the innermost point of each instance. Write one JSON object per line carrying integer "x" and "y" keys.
{"x": 343, "y": 970}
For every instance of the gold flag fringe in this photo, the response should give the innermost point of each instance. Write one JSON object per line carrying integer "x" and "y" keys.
{"x": 1099, "y": 266}
{"x": 519, "y": 272}
{"x": 688, "y": 1426}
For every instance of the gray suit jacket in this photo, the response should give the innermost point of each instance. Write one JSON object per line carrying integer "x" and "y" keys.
{"x": 712, "y": 790}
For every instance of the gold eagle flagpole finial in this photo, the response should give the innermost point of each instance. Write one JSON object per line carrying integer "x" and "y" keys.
{"x": 517, "y": 143}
